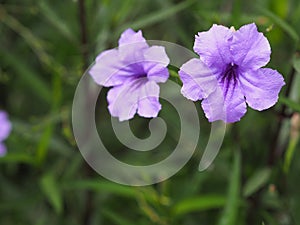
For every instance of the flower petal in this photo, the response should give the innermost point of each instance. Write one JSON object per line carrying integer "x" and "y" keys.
{"x": 129, "y": 36}
{"x": 250, "y": 48}
{"x": 213, "y": 46}
{"x": 110, "y": 70}
{"x": 123, "y": 100}
{"x": 198, "y": 80}
{"x": 226, "y": 103}
{"x": 261, "y": 87}
{"x": 156, "y": 61}
{"x": 131, "y": 46}
{"x": 138, "y": 94}
{"x": 5, "y": 126}
{"x": 148, "y": 104}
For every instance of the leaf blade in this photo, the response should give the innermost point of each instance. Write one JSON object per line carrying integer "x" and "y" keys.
{"x": 200, "y": 203}
{"x": 230, "y": 213}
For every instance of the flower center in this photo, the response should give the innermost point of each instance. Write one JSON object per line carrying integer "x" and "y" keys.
{"x": 230, "y": 76}
{"x": 230, "y": 73}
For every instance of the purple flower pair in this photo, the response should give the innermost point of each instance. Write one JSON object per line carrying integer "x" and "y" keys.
{"x": 226, "y": 77}
{"x": 5, "y": 128}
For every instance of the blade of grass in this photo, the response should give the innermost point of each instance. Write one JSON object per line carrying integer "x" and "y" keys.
{"x": 289, "y": 103}
{"x": 29, "y": 77}
{"x": 230, "y": 213}
{"x": 43, "y": 145}
{"x": 17, "y": 158}
{"x": 200, "y": 203}
{"x": 296, "y": 62}
{"x": 56, "y": 21}
{"x": 290, "y": 153}
{"x": 51, "y": 190}
{"x": 32, "y": 40}
{"x": 98, "y": 185}
{"x": 157, "y": 16}
{"x": 236, "y": 13}
{"x": 32, "y": 133}
{"x": 258, "y": 180}
{"x": 115, "y": 218}
{"x": 281, "y": 23}
{"x": 294, "y": 139}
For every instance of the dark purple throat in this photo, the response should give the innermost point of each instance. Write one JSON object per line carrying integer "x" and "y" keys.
{"x": 229, "y": 76}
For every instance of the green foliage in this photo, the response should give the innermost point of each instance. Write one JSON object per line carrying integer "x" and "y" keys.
{"x": 50, "y": 188}
{"x": 256, "y": 181}
{"x": 230, "y": 214}
{"x": 45, "y": 180}
{"x": 201, "y": 203}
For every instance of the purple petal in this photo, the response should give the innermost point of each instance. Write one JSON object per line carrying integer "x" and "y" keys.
{"x": 148, "y": 104}
{"x": 213, "y": 46}
{"x": 198, "y": 80}
{"x": 5, "y": 126}
{"x": 138, "y": 94}
{"x": 261, "y": 87}
{"x": 2, "y": 150}
{"x": 226, "y": 103}
{"x": 129, "y": 36}
{"x": 122, "y": 100}
{"x": 131, "y": 46}
{"x": 250, "y": 48}
{"x": 156, "y": 61}
{"x": 108, "y": 69}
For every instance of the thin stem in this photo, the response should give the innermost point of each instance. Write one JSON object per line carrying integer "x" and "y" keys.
{"x": 83, "y": 32}
{"x": 87, "y": 214}
{"x": 274, "y": 150}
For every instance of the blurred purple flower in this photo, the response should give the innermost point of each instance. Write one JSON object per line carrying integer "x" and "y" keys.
{"x": 133, "y": 70}
{"x": 5, "y": 128}
{"x": 228, "y": 74}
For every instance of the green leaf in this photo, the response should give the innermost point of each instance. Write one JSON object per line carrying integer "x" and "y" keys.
{"x": 26, "y": 74}
{"x": 269, "y": 219}
{"x": 57, "y": 22}
{"x": 258, "y": 180}
{"x": 156, "y": 17}
{"x": 296, "y": 63}
{"x": 289, "y": 103}
{"x": 45, "y": 141}
{"x": 290, "y": 153}
{"x": 116, "y": 218}
{"x": 200, "y": 203}
{"x": 33, "y": 134}
{"x": 230, "y": 213}
{"x": 36, "y": 44}
{"x": 42, "y": 148}
{"x": 280, "y": 22}
{"x": 17, "y": 158}
{"x": 50, "y": 188}
{"x": 103, "y": 186}
{"x": 236, "y": 12}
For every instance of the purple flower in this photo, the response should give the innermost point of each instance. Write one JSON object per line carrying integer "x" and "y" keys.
{"x": 228, "y": 74}
{"x": 133, "y": 71}
{"x": 5, "y": 128}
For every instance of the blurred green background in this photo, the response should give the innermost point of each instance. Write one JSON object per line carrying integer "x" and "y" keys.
{"x": 45, "y": 47}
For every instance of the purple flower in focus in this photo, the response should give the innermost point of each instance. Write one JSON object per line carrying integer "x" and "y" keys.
{"x": 5, "y": 128}
{"x": 133, "y": 71}
{"x": 228, "y": 74}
